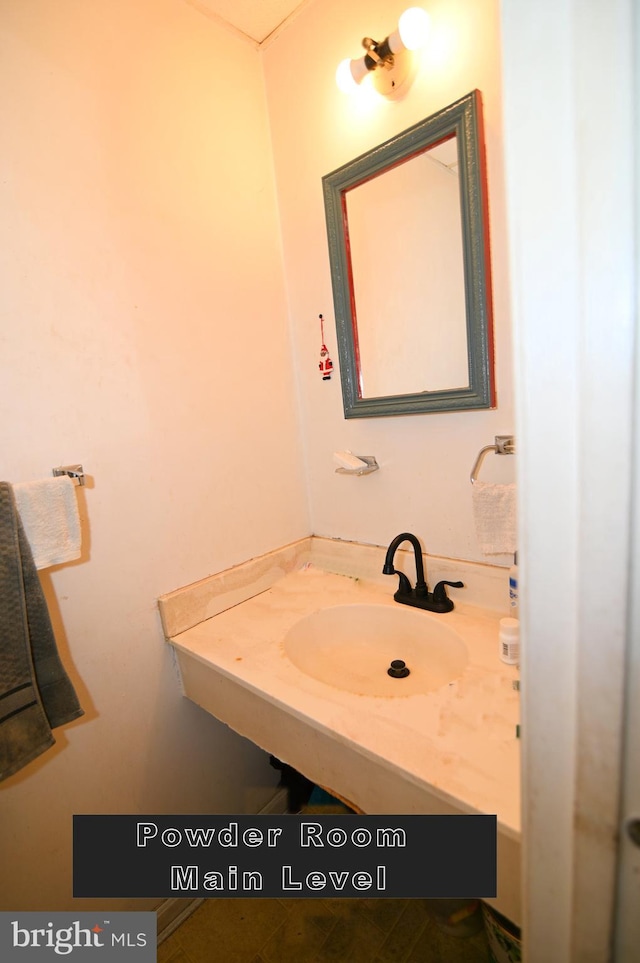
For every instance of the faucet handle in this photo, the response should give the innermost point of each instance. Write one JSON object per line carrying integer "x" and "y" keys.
{"x": 440, "y": 592}
{"x": 404, "y": 585}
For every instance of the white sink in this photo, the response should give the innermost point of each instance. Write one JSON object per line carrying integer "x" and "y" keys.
{"x": 351, "y": 647}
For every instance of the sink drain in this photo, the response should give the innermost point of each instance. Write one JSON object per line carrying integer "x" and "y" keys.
{"x": 398, "y": 669}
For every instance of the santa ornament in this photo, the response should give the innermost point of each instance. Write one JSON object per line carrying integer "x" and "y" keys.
{"x": 326, "y": 364}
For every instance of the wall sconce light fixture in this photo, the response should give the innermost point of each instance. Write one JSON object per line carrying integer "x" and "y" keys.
{"x": 390, "y": 63}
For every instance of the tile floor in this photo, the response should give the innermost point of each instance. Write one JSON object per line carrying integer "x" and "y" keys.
{"x": 318, "y": 931}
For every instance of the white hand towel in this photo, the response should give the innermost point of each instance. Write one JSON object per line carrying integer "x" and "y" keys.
{"x": 48, "y": 509}
{"x": 494, "y": 511}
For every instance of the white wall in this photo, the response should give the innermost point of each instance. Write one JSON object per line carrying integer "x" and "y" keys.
{"x": 423, "y": 485}
{"x": 144, "y": 333}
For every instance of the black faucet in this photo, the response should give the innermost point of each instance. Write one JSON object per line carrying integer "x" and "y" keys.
{"x": 420, "y": 596}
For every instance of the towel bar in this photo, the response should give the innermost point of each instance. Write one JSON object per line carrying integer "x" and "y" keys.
{"x": 504, "y": 445}
{"x": 75, "y": 472}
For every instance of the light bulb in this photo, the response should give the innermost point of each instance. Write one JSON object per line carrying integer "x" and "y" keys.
{"x": 413, "y": 28}
{"x": 349, "y": 74}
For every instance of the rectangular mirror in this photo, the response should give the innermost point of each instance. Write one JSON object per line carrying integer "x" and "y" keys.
{"x": 408, "y": 233}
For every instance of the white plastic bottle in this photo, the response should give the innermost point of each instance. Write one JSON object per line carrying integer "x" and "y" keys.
{"x": 509, "y": 641}
{"x": 514, "y": 608}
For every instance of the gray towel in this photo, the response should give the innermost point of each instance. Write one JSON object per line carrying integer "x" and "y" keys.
{"x": 36, "y": 694}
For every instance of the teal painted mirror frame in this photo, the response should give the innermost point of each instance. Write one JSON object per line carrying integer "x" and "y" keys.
{"x": 463, "y": 120}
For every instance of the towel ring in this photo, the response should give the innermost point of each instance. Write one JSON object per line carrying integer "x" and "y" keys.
{"x": 504, "y": 445}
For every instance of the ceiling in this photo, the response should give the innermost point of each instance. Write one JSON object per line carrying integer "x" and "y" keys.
{"x": 256, "y": 19}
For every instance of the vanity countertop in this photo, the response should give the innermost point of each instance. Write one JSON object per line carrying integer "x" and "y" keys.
{"x": 459, "y": 741}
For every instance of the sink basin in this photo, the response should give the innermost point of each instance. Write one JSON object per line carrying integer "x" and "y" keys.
{"x": 352, "y": 646}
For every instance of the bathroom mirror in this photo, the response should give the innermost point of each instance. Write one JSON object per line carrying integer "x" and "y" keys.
{"x": 408, "y": 233}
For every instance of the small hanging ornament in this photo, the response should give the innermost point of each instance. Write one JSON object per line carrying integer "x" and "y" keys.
{"x": 326, "y": 364}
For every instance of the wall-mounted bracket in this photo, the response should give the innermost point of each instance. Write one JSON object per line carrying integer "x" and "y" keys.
{"x": 75, "y": 472}
{"x": 504, "y": 445}
{"x": 372, "y": 465}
